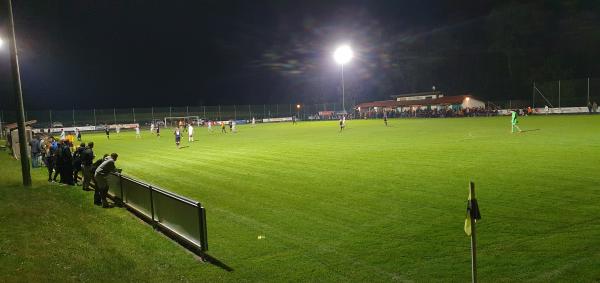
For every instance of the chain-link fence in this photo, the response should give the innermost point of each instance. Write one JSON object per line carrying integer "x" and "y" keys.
{"x": 566, "y": 93}
{"x": 93, "y": 117}
{"x": 556, "y": 94}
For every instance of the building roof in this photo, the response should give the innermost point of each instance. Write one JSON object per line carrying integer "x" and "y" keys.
{"x": 417, "y": 94}
{"x": 445, "y": 100}
{"x": 14, "y": 125}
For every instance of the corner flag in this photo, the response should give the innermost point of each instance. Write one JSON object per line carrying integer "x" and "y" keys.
{"x": 472, "y": 213}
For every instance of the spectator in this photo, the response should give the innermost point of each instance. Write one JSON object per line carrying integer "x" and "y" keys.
{"x": 52, "y": 160}
{"x": 589, "y": 106}
{"x": 66, "y": 163}
{"x": 35, "y": 152}
{"x": 87, "y": 157}
{"x": 101, "y": 175}
{"x": 77, "y": 161}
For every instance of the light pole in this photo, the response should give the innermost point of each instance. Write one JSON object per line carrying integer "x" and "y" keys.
{"x": 16, "y": 78}
{"x": 297, "y": 111}
{"x": 342, "y": 55}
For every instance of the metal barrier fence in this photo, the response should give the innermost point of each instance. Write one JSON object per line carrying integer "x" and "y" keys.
{"x": 180, "y": 218}
{"x": 93, "y": 117}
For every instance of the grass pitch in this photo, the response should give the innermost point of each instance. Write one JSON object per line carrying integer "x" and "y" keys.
{"x": 373, "y": 203}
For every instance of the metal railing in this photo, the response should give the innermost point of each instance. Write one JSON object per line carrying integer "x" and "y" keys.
{"x": 180, "y": 218}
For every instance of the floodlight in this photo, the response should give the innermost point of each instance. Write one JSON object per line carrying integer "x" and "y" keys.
{"x": 343, "y": 54}
{"x": 468, "y": 98}
{"x": 1, "y": 42}
{"x": 298, "y": 106}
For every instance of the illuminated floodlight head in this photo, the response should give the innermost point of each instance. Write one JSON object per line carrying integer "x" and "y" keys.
{"x": 1, "y": 42}
{"x": 343, "y": 54}
{"x": 467, "y": 99}
{"x": 298, "y": 106}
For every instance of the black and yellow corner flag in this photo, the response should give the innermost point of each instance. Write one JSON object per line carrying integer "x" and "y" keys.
{"x": 472, "y": 213}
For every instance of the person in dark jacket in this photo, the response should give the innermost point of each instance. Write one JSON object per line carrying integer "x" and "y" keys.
{"x": 66, "y": 170}
{"x": 51, "y": 159}
{"x": 87, "y": 158}
{"x": 77, "y": 161}
{"x": 35, "y": 152}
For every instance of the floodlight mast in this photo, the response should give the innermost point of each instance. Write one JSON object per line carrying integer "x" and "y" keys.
{"x": 16, "y": 80}
{"x": 342, "y": 55}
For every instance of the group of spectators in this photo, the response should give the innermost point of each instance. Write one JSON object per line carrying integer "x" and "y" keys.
{"x": 64, "y": 162}
{"x": 432, "y": 113}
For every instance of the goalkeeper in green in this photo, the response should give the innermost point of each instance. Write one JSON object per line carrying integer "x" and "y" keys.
{"x": 514, "y": 121}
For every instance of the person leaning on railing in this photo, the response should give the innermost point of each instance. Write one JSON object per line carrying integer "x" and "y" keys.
{"x": 107, "y": 167}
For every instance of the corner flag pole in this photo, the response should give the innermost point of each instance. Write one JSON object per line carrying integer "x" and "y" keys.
{"x": 471, "y": 220}
{"x": 16, "y": 76}
{"x": 473, "y": 237}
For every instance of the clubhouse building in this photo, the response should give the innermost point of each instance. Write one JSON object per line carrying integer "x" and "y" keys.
{"x": 421, "y": 101}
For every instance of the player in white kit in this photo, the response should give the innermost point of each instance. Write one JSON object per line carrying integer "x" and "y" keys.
{"x": 137, "y": 132}
{"x": 190, "y": 133}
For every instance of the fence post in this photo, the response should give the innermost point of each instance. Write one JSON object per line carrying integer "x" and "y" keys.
{"x": 588, "y": 91}
{"x": 264, "y": 110}
{"x": 533, "y": 96}
{"x": 559, "y": 107}
{"x": 115, "y": 115}
{"x": 219, "y": 112}
{"x": 133, "y": 110}
{"x": 187, "y": 111}
{"x": 276, "y": 110}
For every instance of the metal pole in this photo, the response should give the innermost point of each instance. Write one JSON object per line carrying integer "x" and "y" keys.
{"x": 473, "y": 239}
{"x": 187, "y": 111}
{"x": 533, "y": 96}
{"x": 276, "y": 110}
{"x": 234, "y": 113}
{"x": 16, "y": 78}
{"x": 133, "y": 110}
{"x": 50, "y": 113}
{"x": 115, "y": 115}
{"x": 264, "y": 110}
{"x": 588, "y": 90}
{"x": 152, "y": 109}
{"x": 219, "y": 112}
{"x": 343, "y": 94}
{"x": 249, "y": 112}
{"x": 95, "y": 117}
{"x": 559, "y": 107}
{"x": 204, "y": 111}
{"x": 169, "y": 114}
{"x": 73, "y": 116}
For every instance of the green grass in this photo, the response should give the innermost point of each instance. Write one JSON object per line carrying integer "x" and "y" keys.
{"x": 373, "y": 203}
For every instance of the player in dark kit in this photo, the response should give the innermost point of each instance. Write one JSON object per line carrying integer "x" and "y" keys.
{"x": 385, "y": 119}
{"x": 107, "y": 131}
{"x": 177, "y": 134}
{"x": 158, "y": 131}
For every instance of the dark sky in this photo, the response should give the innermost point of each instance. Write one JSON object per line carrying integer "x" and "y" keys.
{"x": 86, "y": 54}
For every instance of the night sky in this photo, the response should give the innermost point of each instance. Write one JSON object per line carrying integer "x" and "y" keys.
{"x": 84, "y": 54}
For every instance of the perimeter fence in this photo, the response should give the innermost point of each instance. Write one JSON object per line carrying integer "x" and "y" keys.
{"x": 556, "y": 94}
{"x": 93, "y": 117}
